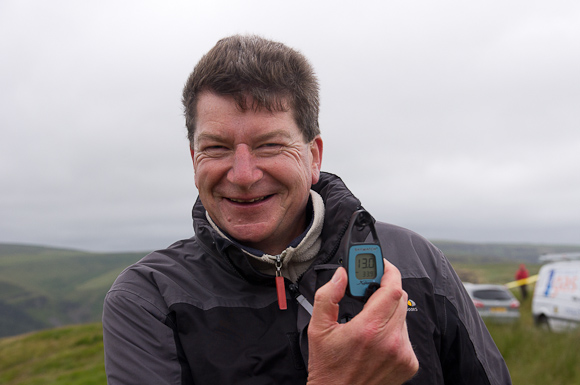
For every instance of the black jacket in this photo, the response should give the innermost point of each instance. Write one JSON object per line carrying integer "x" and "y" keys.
{"x": 198, "y": 313}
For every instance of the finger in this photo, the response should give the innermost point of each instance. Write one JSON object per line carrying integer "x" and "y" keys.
{"x": 391, "y": 275}
{"x": 400, "y": 313}
{"x": 385, "y": 301}
{"x": 326, "y": 299}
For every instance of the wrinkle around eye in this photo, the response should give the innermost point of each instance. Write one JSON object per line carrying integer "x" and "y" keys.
{"x": 215, "y": 151}
{"x": 269, "y": 149}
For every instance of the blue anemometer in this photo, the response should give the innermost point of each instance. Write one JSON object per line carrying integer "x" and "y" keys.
{"x": 364, "y": 264}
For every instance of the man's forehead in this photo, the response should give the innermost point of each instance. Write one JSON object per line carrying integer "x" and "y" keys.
{"x": 245, "y": 101}
{"x": 221, "y": 115}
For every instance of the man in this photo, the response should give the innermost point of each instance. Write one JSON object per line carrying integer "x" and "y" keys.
{"x": 257, "y": 296}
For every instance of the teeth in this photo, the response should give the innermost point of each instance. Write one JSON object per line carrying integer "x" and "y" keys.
{"x": 247, "y": 201}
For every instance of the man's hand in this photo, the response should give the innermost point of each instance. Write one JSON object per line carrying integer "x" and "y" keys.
{"x": 373, "y": 348}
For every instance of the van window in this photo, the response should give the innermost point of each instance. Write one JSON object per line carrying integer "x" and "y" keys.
{"x": 491, "y": 294}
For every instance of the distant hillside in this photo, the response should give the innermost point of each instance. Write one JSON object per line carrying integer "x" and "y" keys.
{"x": 12, "y": 249}
{"x": 41, "y": 287}
{"x": 499, "y": 252}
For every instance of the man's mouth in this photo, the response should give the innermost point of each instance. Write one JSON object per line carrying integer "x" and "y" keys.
{"x": 254, "y": 200}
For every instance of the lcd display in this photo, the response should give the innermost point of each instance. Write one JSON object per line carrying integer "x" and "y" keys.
{"x": 365, "y": 266}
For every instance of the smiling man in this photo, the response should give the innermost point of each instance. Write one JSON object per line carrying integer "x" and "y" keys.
{"x": 257, "y": 296}
{"x": 253, "y": 170}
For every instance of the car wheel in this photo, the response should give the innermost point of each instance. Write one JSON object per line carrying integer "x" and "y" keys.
{"x": 543, "y": 323}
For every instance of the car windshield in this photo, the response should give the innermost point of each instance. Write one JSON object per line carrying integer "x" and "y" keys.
{"x": 491, "y": 294}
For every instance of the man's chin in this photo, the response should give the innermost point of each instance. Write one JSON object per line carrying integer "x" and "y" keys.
{"x": 244, "y": 239}
{"x": 255, "y": 240}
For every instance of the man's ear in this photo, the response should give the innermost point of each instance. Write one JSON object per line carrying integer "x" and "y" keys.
{"x": 192, "y": 152}
{"x": 316, "y": 147}
{"x": 193, "y": 161}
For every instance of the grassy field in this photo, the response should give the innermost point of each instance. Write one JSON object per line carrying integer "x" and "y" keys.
{"x": 74, "y": 355}
{"x": 535, "y": 356}
{"x": 498, "y": 273}
{"x": 65, "y": 356}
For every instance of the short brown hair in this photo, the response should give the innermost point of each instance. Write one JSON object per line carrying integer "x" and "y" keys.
{"x": 275, "y": 76}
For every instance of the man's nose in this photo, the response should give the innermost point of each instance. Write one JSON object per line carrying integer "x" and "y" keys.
{"x": 244, "y": 171}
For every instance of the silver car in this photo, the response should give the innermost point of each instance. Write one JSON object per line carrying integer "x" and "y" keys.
{"x": 494, "y": 302}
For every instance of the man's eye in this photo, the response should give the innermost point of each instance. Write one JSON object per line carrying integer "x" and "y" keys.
{"x": 271, "y": 145}
{"x": 215, "y": 150}
{"x": 269, "y": 148}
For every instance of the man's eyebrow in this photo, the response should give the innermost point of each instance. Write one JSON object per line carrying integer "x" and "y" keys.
{"x": 209, "y": 137}
{"x": 261, "y": 137}
{"x": 274, "y": 134}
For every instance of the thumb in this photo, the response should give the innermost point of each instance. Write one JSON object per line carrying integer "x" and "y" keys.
{"x": 326, "y": 300}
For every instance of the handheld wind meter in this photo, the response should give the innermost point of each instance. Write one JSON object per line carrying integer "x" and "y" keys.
{"x": 364, "y": 263}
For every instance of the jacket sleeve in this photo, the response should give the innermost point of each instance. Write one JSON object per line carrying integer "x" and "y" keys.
{"x": 468, "y": 353}
{"x": 140, "y": 346}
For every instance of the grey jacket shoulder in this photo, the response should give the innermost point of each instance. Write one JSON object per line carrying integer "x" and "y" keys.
{"x": 178, "y": 274}
{"x": 414, "y": 255}
{"x": 136, "y": 319}
{"x": 418, "y": 259}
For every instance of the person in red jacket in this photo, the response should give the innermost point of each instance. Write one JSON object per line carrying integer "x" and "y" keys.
{"x": 522, "y": 273}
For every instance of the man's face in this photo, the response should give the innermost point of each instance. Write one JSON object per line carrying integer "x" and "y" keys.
{"x": 253, "y": 171}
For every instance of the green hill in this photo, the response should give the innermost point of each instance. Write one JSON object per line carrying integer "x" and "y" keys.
{"x": 42, "y": 287}
{"x": 499, "y": 252}
{"x": 70, "y": 355}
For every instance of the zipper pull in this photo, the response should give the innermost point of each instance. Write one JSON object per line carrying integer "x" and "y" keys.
{"x": 300, "y": 298}
{"x": 280, "y": 287}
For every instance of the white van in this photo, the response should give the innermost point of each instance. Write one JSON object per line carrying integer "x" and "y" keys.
{"x": 556, "y": 303}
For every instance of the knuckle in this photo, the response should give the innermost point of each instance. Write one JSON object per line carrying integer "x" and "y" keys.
{"x": 397, "y": 294}
{"x": 410, "y": 365}
{"x": 313, "y": 332}
{"x": 319, "y": 296}
{"x": 403, "y": 358}
{"x": 395, "y": 346}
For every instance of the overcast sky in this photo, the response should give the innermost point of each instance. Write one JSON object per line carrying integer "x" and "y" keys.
{"x": 459, "y": 120}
